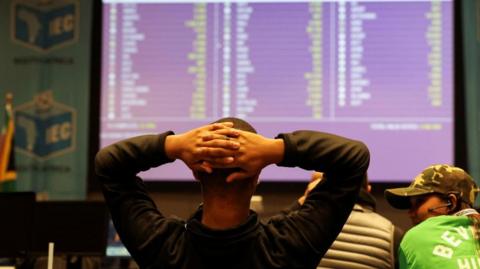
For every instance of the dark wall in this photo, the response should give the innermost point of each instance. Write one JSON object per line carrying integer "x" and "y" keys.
{"x": 181, "y": 199}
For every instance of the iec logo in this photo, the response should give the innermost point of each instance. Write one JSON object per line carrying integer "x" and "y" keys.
{"x": 45, "y": 128}
{"x": 45, "y": 24}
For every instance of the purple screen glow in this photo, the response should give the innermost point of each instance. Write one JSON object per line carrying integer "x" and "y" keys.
{"x": 377, "y": 71}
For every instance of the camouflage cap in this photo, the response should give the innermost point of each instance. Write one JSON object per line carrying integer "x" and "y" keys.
{"x": 440, "y": 178}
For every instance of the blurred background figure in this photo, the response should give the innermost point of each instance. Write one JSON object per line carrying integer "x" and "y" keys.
{"x": 367, "y": 240}
{"x": 447, "y": 232}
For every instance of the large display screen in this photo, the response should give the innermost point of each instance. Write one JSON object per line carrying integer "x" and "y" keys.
{"x": 378, "y": 71}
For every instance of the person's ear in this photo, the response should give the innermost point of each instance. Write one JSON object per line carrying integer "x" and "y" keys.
{"x": 452, "y": 199}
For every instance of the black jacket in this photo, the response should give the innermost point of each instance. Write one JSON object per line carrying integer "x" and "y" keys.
{"x": 295, "y": 240}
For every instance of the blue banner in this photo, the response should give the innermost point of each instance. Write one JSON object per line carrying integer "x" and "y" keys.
{"x": 45, "y": 60}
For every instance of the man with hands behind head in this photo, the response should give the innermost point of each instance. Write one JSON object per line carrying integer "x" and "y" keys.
{"x": 227, "y": 157}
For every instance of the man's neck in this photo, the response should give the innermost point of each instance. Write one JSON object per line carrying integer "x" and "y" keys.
{"x": 220, "y": 213}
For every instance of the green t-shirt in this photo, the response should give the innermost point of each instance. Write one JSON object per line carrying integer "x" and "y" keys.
{"x": 440, "y": 242}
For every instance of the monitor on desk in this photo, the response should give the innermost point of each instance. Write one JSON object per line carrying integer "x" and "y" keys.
{"x": 76, "y": 227}
{"x": 16, "y": 224}
{"x": 115, "y": 247}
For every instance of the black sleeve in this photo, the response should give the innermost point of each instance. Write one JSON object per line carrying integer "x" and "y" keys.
{"x": 308, "y": 232}
{"x": 138, "y": 222}
{"x": 295, "y": 205}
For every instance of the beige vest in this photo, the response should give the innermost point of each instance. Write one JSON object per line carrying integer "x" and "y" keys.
{"x": 365, "y": 242}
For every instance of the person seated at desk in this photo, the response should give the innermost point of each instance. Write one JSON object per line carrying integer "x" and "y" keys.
{"x": 367, "y": 240}
{"x": 447, "y": 233}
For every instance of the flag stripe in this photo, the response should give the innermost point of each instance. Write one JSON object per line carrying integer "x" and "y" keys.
{"x": 7, "y": 169}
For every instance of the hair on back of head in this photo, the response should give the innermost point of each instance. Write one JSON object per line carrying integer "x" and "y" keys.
{"x": 238, "y": 124}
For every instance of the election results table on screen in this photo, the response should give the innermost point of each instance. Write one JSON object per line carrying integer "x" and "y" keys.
{"x": 358, "y": 68}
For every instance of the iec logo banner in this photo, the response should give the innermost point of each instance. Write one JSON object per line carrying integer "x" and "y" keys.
{"x": 45, "y": 128}
{"x": 44, "y": 25}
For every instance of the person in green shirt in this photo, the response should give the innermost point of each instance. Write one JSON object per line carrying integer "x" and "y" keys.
{"x": 447, "y": 227}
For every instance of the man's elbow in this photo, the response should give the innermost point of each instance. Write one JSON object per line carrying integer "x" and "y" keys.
{"x": 103, "y": 160}
{"x": 362, "y": 156}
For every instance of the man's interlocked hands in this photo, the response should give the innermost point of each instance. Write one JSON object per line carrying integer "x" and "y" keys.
{"x": 218, "y": 145}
